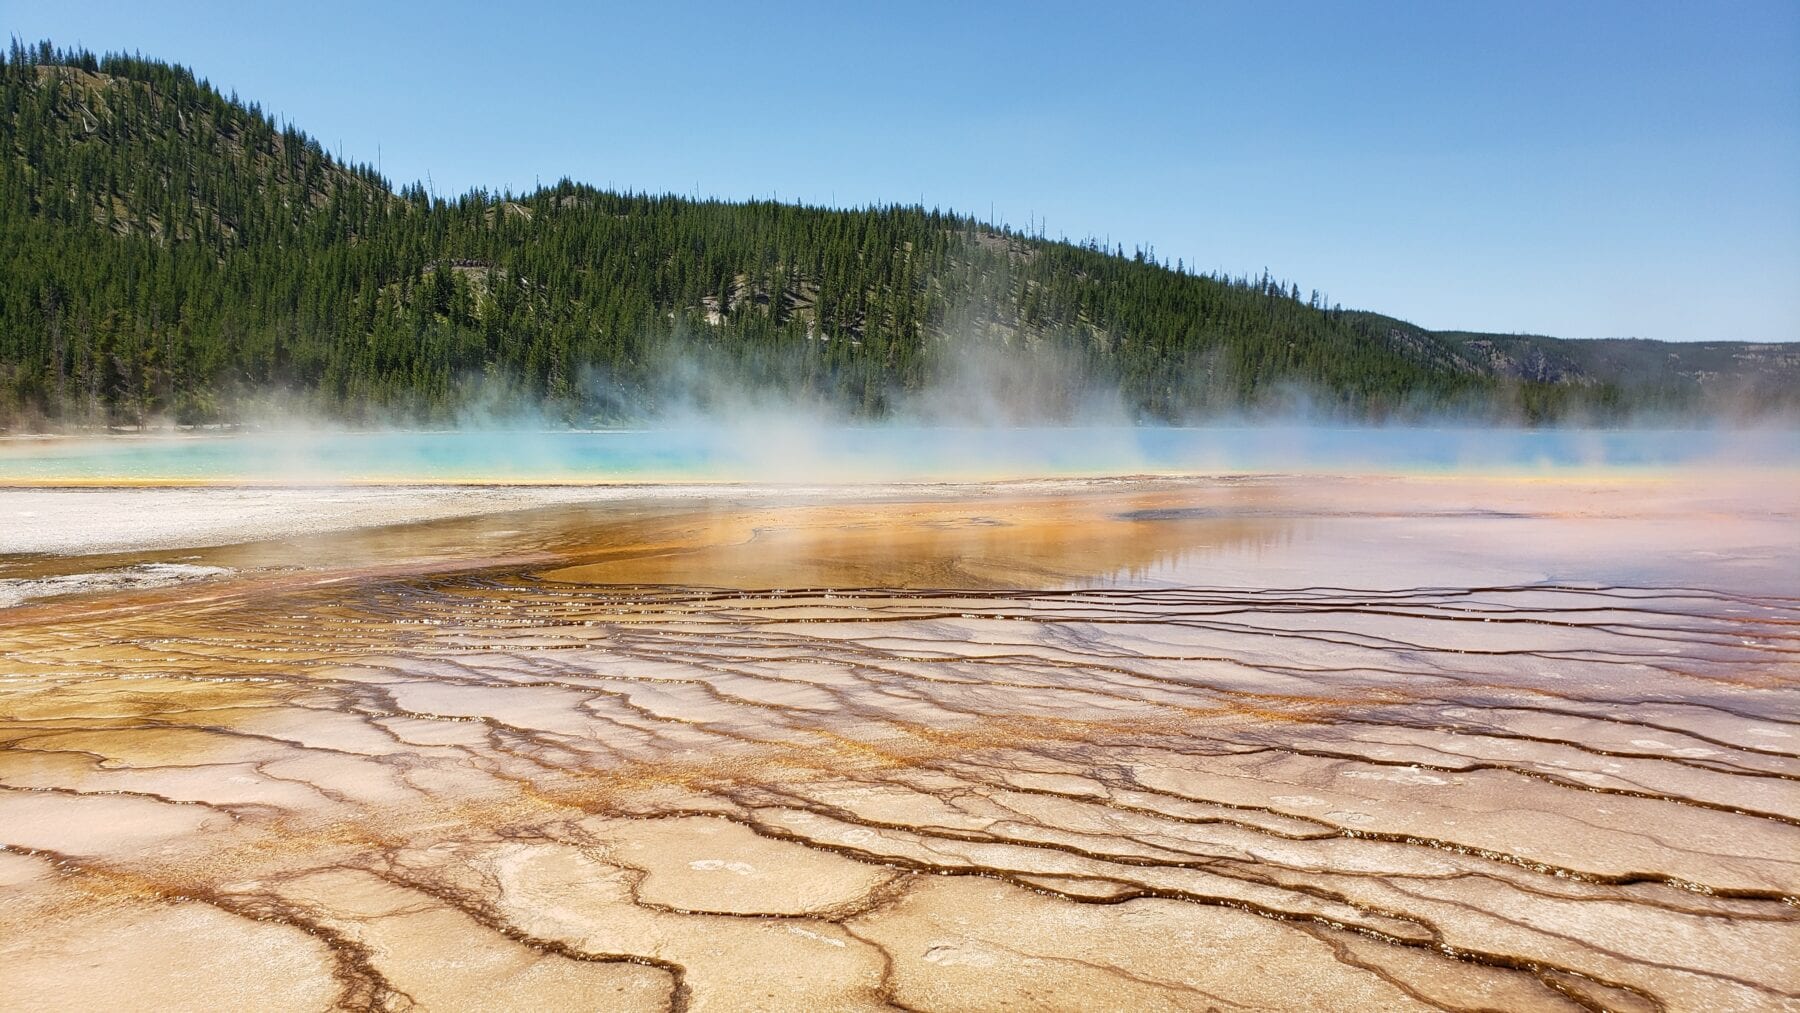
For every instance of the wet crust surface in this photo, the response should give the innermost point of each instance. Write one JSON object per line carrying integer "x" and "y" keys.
{"x": 1096, "y": 751}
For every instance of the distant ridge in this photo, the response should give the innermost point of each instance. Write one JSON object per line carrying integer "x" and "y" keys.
{"x": 172, "y": 254}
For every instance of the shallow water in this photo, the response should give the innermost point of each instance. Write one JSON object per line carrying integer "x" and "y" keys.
{"x": 777, "y": 450}
{"x": 1276, "y": 742}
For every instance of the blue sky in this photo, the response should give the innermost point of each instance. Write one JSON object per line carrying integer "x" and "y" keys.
{"x": 1584, "y": 169}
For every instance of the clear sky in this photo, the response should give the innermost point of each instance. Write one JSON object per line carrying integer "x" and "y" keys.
{"x": 1585, "y": 169}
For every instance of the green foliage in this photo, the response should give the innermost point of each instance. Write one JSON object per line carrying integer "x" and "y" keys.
{"x": 168, "y": 252}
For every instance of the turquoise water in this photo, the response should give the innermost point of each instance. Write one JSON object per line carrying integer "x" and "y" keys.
{"x": 809, "y": 454}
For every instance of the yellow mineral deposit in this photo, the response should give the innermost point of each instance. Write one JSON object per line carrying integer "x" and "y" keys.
{"x": 1322, "y": 743}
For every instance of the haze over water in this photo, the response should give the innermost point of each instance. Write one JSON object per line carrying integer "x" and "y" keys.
{"x": 787, "y": 450}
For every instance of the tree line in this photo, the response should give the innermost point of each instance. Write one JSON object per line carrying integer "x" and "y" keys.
{"x": 168, "y": 252}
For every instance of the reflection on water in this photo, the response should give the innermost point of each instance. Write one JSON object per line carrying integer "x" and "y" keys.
{"x": 1294, "y": 744}
{"x": 1043, "y": 541}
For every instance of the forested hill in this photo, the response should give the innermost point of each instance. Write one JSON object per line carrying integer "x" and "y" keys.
{"x": 170, "y": 253}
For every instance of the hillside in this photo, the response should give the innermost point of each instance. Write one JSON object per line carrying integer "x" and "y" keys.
{"x": 170, "y": 253}
{"x": 1622, "y": 376}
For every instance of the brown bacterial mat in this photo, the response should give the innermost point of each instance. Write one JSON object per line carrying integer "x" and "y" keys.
{"x": 1302, "y": 743}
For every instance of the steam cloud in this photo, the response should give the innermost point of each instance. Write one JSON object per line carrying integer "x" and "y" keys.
{"x": 989, "y": 411}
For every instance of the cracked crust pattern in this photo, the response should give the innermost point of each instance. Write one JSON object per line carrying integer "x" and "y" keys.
{"x": 1098, "y": 750}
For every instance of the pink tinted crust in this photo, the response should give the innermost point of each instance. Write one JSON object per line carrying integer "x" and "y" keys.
{"x": 1274, "y": 742}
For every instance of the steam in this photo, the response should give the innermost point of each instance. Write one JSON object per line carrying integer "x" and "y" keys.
{"x": 991, "y": 408}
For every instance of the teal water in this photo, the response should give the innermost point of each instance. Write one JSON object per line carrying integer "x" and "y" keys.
{"x": 806, "y": 454}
